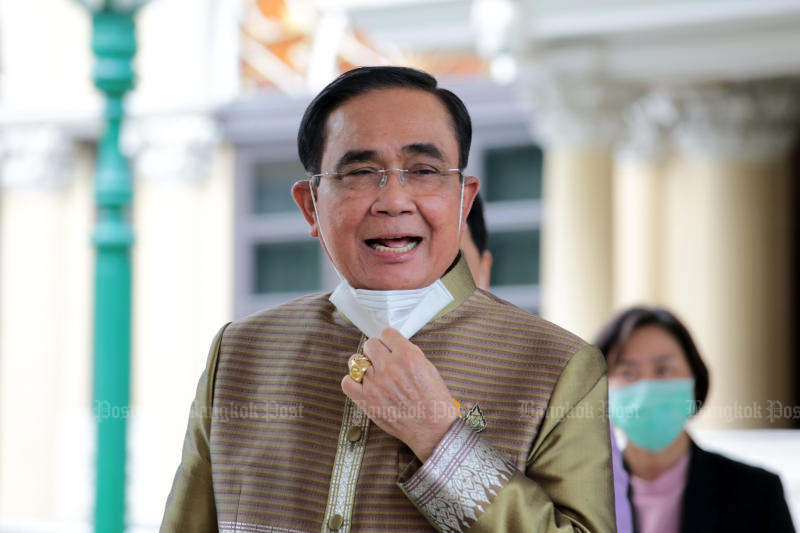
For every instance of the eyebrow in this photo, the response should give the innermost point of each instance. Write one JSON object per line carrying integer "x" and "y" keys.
{"x": 424, "y": 149}
{"x": 356, "y": 156}
{"x": 657, "y": 359}
{"x": 365, "y": 156}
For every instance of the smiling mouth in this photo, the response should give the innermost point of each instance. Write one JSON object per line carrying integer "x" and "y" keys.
{"x": 396, "y": 245}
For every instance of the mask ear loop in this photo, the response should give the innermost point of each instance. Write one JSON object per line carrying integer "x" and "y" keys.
{"x": 461, "y": 206}
{"x": 319, "y": 226}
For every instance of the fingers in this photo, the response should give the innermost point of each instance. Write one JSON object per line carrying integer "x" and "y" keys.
{"x": 377, "y": 351}
{"x": 400, "y": 347}
{"x": 393, "y": 339}
{"x": 389, "y": 353}
{"x": 352, "y": 388}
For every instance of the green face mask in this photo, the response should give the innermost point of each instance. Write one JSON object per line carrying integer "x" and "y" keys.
{"x": 652, "y": 412}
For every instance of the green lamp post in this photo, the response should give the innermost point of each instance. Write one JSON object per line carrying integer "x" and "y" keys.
{"x": 114, "y": 45}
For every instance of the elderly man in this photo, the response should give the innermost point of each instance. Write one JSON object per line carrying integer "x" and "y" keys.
{"x": 406, "y": 400}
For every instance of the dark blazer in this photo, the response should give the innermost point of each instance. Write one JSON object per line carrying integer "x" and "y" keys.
{"x": 726, "y": 496}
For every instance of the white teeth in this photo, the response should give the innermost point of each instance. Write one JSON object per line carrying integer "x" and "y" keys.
{"x": 407, "y": 248}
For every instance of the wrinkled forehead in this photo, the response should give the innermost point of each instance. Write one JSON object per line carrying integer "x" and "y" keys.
{"x": 402, "y": 121}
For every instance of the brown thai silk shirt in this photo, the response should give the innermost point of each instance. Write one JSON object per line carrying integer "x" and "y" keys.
{"x": 274, "y": 445}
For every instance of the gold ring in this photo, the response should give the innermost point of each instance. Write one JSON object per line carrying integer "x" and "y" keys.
{"x": 358, "y": 366}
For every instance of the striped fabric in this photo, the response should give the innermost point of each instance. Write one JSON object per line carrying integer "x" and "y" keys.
{"x": 278, "y": 407}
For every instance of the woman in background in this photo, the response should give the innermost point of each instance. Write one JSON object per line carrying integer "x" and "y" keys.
{"x": 657, "y": 381}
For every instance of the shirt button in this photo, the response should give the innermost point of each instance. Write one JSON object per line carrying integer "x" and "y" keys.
{"x": 353, "y": 434}
{"x": 335, "y": 522}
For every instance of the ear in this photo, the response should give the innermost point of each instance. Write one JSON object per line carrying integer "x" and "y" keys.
{"x": 471, "y": 187}
{"x": 301, "y": 192}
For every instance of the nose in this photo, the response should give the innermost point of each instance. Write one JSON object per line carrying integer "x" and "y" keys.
{"x": 393, "y": 198}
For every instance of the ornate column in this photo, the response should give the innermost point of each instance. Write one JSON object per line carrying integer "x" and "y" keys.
{"x": 638, "y": 188}
{"x": 578, "y": 120}
{"x": 727, "y": 242}
{"x": 38, "y": 308}
{"x": 182, "y": 281}
{"x": 183, "y": 260}
{"x": 35, "y": 156}
{"x": 172, "y": 147}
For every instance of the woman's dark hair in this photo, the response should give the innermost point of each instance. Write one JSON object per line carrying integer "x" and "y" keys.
{"x": 618, "y": 331}
{"x": 477, "y": 225}
{"x": 311, "y": 135}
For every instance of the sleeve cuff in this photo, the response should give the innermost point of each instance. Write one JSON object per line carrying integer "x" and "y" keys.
{"x": 459, "y": 480}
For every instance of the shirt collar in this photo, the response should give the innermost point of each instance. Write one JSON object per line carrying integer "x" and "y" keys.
{"x": 459, "y": 282}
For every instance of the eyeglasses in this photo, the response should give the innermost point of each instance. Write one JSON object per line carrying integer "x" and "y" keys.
{"x": 420, "y": 179}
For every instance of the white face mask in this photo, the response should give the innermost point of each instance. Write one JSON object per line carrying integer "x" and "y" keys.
{"x": 405, "y": 310}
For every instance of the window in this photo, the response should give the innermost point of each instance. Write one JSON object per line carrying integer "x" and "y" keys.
{"x": 286, "y": 267}
{"x": 514, "y": 173}
{"x": 272, "y": 183}
{"x": 512, "y": 191}
{"x": 515, "y": 257}
{"x": 275, "y": 259}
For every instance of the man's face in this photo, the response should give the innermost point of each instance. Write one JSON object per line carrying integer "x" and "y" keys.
{"x": 389, "y": 238}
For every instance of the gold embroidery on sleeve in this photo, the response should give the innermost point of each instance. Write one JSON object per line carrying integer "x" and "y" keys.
{"x": 457, "y": 483}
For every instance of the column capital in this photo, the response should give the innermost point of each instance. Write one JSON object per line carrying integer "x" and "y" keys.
{"x": 648, "y": 121}
{"x": 37, "y": 156}
{"x": 752, "y": 120}
{"x": 577, "y": 110}
{"x": 171, "y": 147}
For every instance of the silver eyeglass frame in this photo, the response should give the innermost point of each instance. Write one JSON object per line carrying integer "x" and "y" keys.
{"x": 384, "y": 172}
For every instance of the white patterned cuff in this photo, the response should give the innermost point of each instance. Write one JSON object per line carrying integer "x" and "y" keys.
{"x": 459, "y": 480}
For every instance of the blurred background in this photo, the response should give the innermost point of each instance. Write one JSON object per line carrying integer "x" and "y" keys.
{"x": 629, "y": 151}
